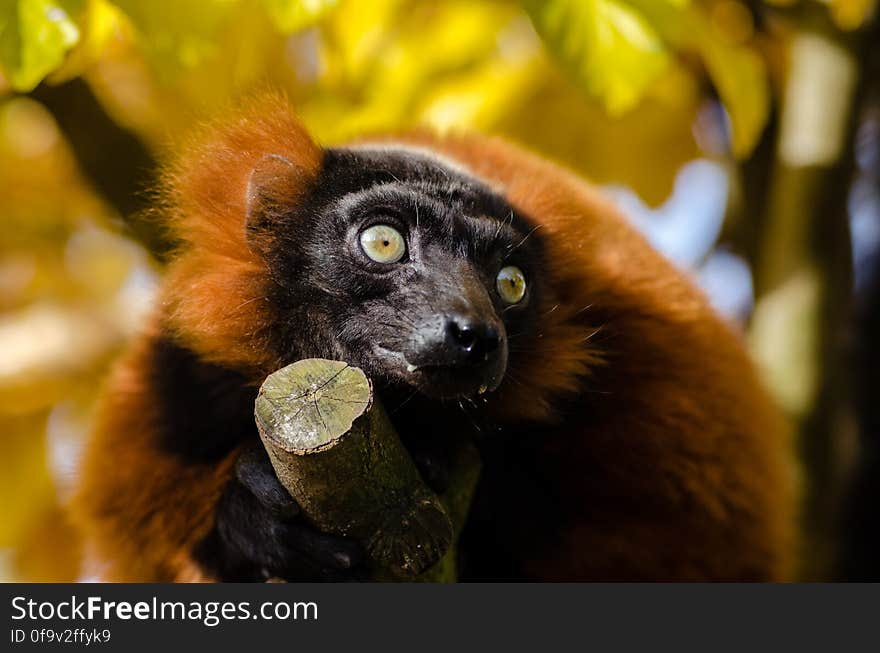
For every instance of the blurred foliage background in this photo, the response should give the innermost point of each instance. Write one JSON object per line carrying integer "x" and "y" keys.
{"x": 742, "y": 136}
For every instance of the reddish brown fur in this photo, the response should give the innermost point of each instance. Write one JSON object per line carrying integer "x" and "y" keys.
{"x": 142, "y": 510}
{"x": 684, "y": 472}
{"x": 215, "y": 292}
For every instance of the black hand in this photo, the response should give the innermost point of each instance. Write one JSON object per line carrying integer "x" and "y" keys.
{"x": 262, "y": 533}
{"x": 433, "y": 467}
{"x": 432, "y": 461}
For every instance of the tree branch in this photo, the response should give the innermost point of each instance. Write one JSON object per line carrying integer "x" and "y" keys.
{"x": 116, "y": 162}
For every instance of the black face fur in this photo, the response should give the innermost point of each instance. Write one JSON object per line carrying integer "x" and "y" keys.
{"x": 433, "y": 321}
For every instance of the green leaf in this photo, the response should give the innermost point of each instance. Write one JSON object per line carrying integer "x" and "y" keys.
{"x": 606, "y": 44}
{"x": 293, "y": 15}
{"x": 35, "y": 36}
{"x": 617, "y": 48}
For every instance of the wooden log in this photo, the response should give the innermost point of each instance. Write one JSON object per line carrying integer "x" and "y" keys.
{"x": 464, "y": 473}
{"x": 334, "y": 449}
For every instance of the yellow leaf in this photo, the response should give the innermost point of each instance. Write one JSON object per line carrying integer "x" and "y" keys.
{"x": 851, "y": 14}
{"x": 179, "y": 34}
{"x": 737, "y": 71}
{"x": 293, "y": 15}
{"x": 740, "y": 77}
{"x": 97, "y": 25}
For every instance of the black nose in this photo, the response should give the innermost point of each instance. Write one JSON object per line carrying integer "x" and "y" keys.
{"x": 472, "y": 340}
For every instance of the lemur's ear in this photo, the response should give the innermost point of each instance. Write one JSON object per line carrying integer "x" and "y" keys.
{"x": 275, "y": 186}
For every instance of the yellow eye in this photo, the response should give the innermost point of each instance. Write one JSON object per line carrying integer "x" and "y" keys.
{"x": 383, "y": 244}
{"x": 511, "y": 284}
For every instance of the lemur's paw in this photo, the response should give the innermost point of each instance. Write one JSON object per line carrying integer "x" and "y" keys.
{"x": 262, "y": 532}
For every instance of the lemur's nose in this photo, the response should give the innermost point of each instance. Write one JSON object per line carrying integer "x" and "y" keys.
{"x": 473, "y": 340}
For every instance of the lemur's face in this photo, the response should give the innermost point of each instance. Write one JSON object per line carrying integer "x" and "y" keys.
{"x": 413, "y": 270}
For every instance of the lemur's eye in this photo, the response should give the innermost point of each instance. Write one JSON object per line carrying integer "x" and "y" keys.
{"x": 383, "y": 244}
{"x": 511, "y": 284}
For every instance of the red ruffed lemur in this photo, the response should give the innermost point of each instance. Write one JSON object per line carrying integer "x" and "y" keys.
{"x": 624, "y": 434}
